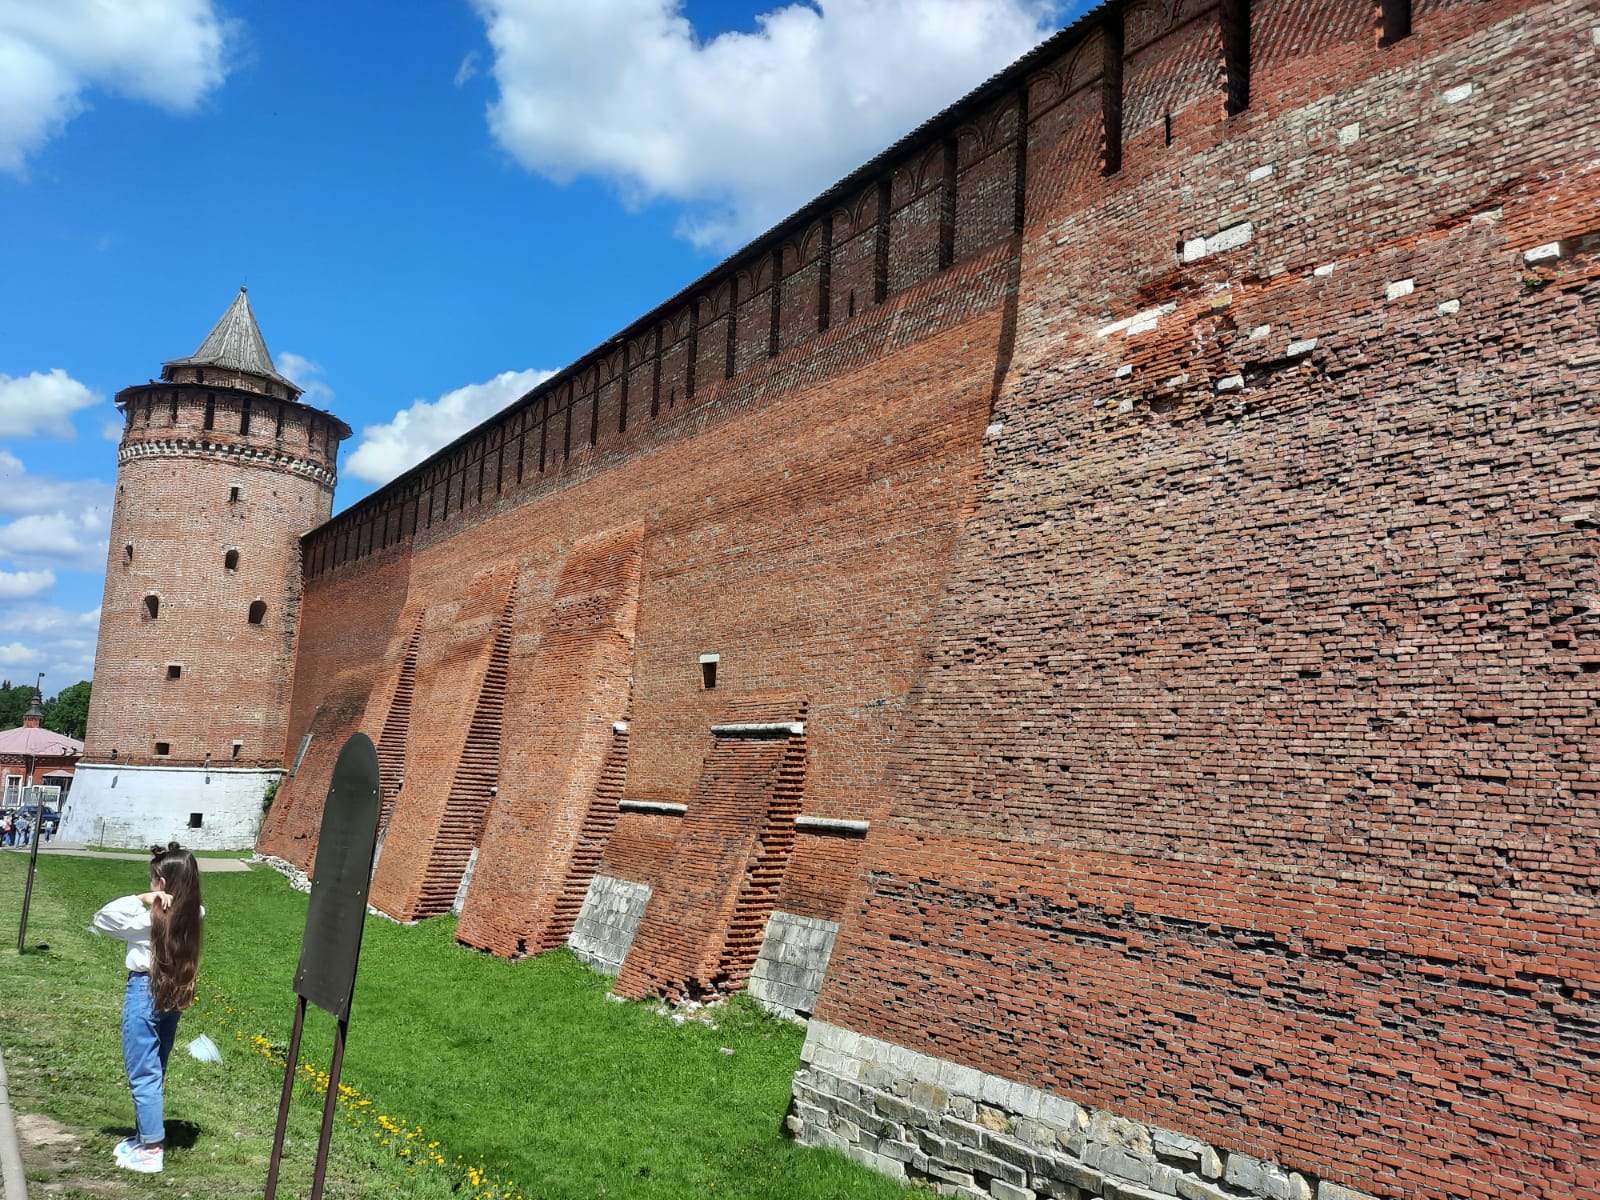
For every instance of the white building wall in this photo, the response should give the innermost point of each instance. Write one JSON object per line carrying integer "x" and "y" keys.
{"x": 145, "y": 806}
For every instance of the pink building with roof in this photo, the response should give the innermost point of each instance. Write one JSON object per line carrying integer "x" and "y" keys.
{"x": 33, "y": 755}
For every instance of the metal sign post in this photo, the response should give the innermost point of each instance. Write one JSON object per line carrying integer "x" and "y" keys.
{"x": 331, "y": 947}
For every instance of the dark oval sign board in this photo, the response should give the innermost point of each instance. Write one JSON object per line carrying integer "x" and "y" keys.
{"x": 331, "y": 946}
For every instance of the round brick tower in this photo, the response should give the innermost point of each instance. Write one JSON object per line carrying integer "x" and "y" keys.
{"x": 220, "y": 470}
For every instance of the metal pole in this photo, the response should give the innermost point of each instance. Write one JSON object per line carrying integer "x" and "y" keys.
{"x": 328, "y": 1106}
{"x": 283, "y": 1103}
{"x": 33, "y": 862}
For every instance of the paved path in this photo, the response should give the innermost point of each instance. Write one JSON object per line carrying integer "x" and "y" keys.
{"x": 242, "y": 863}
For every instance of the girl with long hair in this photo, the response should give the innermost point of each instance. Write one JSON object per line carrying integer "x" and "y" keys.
{"x": 162, "y": 929}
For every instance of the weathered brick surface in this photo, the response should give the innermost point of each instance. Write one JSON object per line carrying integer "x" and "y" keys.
{"x": 1192, "y": 587}
{"x": 1254, "y": 750}
{"x": 188, "y": 495}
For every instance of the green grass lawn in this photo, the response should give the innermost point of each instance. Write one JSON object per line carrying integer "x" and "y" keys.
{"x": 468, "y": 1076}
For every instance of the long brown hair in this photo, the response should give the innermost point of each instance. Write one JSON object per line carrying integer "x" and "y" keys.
{"x": 175, "y": 930}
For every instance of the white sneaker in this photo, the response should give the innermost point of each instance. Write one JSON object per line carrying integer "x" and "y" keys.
{"x": 124, "y": 1146}
{"x": 147, "y": 1160}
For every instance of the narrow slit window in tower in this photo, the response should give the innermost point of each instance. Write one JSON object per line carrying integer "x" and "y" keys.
{"x": 127, "y": 553}
{"x": 174, "y": 670}
{"x": 244, "y": 416}
{"x": 237, "y": 746}
{"x": 230, "y": 560}
{"x": 258, "y": 611}
{"x": 233, "y": 494}
{"x": 708, "y": 670}
{"x": 211, "y": 410}
{"x": 152, "y": 606}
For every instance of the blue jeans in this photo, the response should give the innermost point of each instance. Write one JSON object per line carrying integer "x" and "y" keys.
{"x": 146, "y": 1044}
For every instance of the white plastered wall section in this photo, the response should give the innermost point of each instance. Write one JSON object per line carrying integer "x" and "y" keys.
{"x": 143, "y": 806}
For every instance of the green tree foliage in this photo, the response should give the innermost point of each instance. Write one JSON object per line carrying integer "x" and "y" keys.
{"x": 68, "y": 712}
{"x": 14, "y": 701}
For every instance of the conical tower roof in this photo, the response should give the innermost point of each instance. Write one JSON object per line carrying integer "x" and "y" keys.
{"x": 235, "y": 344}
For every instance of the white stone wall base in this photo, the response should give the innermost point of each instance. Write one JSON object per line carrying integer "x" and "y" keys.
{"x": 793, "y": 959}
{"x": 610, "y": 916}
{"x": 915, "y": 1117}
{"x": 145, "y": 806}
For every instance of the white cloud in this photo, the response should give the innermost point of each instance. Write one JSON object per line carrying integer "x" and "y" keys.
{"x": 168, "y": 52}
{"x": 58, "y": 523}
{"x": 416, "y": 432}
{"x": 41, "y": 403}
{"x": 111, "y": 429}
{"x": 307, "y": 374}
{"x": 748, "y": 126}
{"x": 51, "y": 639}
{"x": 24, "y": 585}
{"x": 468, "y": 69}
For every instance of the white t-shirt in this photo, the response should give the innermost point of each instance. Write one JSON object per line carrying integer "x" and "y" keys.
{"x": 127, "y": 918}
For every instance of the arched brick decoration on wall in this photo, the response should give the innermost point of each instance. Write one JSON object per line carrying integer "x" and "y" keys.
{"x": 455, "y": 657}
{"x": 567, "y": 690}
{"x": 473, "y": 788}
{"x": 703, "y": 925}
{"x": 592, "y": 841}
{"x": 396, "y": 728}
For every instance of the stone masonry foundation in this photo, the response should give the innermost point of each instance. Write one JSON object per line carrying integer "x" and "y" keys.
{"x": 968, "y": 1133}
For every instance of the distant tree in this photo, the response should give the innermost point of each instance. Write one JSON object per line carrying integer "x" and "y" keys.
{"x": 14, "y": 703}
{"x": 68, "y": 712}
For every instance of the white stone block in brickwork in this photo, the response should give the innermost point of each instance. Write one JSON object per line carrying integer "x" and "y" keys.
{"x": 1457, "y": 94}
{"x": 1399, "y": 288}
{"x": 1125, "y": 370}
{"x": 1230, "y": 238}
{"x": 1301, "y": 348}
{"x": 1323, "y": 271}
{"x": 1334, "y": 1191}
{"x": 1260, "y": 173}
{"x": 995, "y": 430}
{"x": 1594, "y": 35}
{"x": 1260, "y": 331}
{"x": 1230, "y": 383}
{"x": 1350, "y": 134}
{"x": 1545, "y": 253}
{"x": 1449, "y": 307}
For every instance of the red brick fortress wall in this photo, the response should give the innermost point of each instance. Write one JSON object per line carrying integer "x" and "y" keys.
{"x": 1160, "y": 492}
{"x": 1249, "y": 790}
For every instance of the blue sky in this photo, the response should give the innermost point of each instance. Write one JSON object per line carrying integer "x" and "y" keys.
{"x": 433, "y": 204}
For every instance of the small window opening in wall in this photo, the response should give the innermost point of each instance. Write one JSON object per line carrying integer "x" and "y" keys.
{"x": 211, "y": 410}
{"x": 708, "y": 670}
{"x": 237, "y": 746}
{"x": 152, "y": 606}
{"x": 258, "y": 611}
{"x": 163, "y": 749}
{"x": 1166, "y": 123}
{"x": 230, "y": 560}
{"x": 233, "y": 495}
{"x": 852, "y": 304}
{"x": 1396, "y": 21}
{"x": 127, "y": 553}
{"x": 244, "y": 416}
{"x": 174, "y": 670}
{"x": 195, "y": 820}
